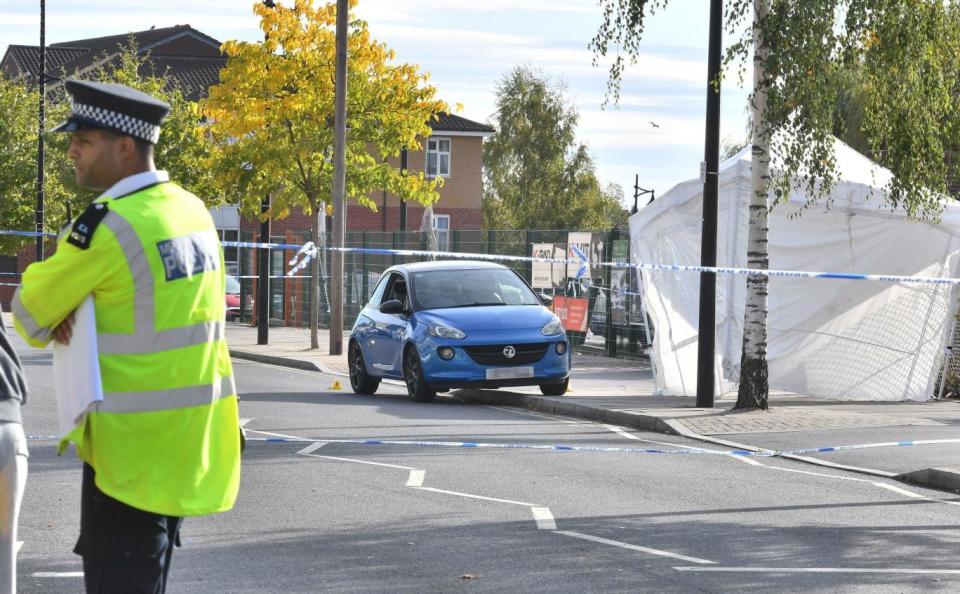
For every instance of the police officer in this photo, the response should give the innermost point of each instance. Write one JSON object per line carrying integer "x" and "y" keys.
{"x": 163, "y": 443}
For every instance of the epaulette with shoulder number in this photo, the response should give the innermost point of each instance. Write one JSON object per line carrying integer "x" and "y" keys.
{"x": 82, "y": 233}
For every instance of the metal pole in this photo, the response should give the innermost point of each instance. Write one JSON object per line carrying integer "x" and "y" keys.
{"x": 263, "y": 283}
{"x": 339, "y": 183}
{"x": 263, "y": 264}
{"x": 708, "y": 243}
{"x": 42, "y": 76}
{"x": 403, "y": 203}
{"x": 610, "y": 333}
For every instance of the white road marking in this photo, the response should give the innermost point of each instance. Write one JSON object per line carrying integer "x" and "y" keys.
{"x": 633, "y": 547}
{"x": 754, "y": 462}
{"x": 624, "y": 433}
{"x": 897, "y": 489}
{"x": 283, "y": 435}
{"x": 543, "y": 518}
{"x": 887, "y": 486}
{"x": 243, "y": 422}
{"x": 312, "y": 447}
{"x": 17, "y": 547}
{"x": 820, "y": 570}
{"x": 481, "y": 497}
{"x": 541, "y": 515}
{"x": 56, "y": 574}
{"x": 416, "y": 478}
{"x": 360, "y": 462}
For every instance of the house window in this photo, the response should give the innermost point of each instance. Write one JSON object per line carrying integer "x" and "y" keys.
{"x": 438, "y": 157}
{"x": 441, "y": 230}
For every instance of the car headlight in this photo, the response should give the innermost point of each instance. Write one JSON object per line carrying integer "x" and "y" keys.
{"x": 444, "y": 331}
{"x": 553, "y": 328}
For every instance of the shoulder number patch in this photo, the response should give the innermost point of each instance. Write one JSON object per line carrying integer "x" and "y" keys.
{"x": 82, "y": 232}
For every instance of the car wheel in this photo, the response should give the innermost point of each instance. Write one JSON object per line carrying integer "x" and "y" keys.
{"x": 555, "y": 389}
{"x": 417, "y": 387}
{"x": 361, "y": 381}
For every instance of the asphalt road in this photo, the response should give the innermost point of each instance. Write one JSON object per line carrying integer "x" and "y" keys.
{"x": 385, "y": 518}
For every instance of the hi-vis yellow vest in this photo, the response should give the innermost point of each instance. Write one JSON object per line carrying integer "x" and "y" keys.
{"x": 165, "y": 439}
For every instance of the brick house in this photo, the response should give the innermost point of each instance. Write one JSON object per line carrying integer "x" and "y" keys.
{"x": 453, "y": 151}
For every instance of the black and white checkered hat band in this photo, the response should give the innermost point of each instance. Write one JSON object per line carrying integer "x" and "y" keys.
{"x": 118, "y": 121}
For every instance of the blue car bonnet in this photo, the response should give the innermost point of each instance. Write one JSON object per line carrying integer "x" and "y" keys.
{"x": 494, "y": 317}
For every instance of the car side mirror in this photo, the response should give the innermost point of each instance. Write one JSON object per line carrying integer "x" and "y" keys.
{"x": 392, "y": 306}
{"x": 545, "y": 299}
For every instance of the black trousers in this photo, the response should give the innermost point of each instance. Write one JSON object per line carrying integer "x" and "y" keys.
{"x": 124, "y": 549}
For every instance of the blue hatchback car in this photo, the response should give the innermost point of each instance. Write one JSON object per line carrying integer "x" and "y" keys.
{"x": 458, "y": 324}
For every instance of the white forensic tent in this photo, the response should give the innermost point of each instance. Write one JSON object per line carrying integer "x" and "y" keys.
{"x": 838, "y": 339}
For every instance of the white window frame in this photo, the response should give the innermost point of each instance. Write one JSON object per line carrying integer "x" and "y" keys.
{"x": 442, "y": 233}
{"x": 438, "y": 152}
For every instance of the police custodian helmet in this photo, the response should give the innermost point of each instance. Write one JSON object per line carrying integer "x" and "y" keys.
{"x": 96, "y": 105}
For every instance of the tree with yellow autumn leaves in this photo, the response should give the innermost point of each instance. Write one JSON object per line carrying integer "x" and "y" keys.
{"x": 271, "y": 118}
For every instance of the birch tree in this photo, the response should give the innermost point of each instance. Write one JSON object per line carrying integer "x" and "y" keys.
{"x": 802, "y": 54}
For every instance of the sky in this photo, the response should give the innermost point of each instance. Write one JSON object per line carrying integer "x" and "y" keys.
{"x": 467, "y": 46}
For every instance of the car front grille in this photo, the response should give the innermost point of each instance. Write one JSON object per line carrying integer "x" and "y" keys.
{"x": 492, "y": 354}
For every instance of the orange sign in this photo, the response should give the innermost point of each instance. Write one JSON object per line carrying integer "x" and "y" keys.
{"x": 572, "y": 311}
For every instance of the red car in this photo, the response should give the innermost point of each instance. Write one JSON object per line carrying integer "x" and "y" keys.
{"x": 233, "y": 298}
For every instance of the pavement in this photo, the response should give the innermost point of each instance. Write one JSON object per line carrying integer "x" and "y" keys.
{"x": 623, "y": 393}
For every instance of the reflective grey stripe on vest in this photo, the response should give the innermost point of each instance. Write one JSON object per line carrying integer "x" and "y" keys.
{"x": 29, "y": 325}
{"x": 151, "y": 342}
{"x": 174, "y": 398}
{"x": 146, "y": 339}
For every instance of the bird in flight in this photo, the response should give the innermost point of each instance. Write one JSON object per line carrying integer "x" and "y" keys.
{"x": 654, "y": 124}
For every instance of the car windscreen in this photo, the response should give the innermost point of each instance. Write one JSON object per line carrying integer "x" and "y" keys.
{"x": 233, "y": 286}
{"x": 438, "y": 289}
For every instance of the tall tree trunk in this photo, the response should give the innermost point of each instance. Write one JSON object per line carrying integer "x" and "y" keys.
{"x": 754, "y": 387}
{"x": 315, "y": 274}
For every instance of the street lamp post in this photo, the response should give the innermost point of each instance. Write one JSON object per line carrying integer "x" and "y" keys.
{"x": 706, "y": 344}
{"x": 263, "y": 264}
{"x": 42, "y": 76}
{"x": 339, "y": 182}
{"x": 263, "y": 270}
{"x": 403, "y": 203}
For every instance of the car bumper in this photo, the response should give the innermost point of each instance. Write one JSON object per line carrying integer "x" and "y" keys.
{"x": 527, "y": 381}
{"x": 463, "y": 372}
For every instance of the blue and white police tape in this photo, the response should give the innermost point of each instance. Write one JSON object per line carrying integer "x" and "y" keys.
{"x": 25, "y": 233}
{"x": 640, "y": 265}
{"x": 626, "y": 450}
{"x": 308, "y": 251}
{"x": 668, "y": 267}
{"x": 762, "y": 453}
